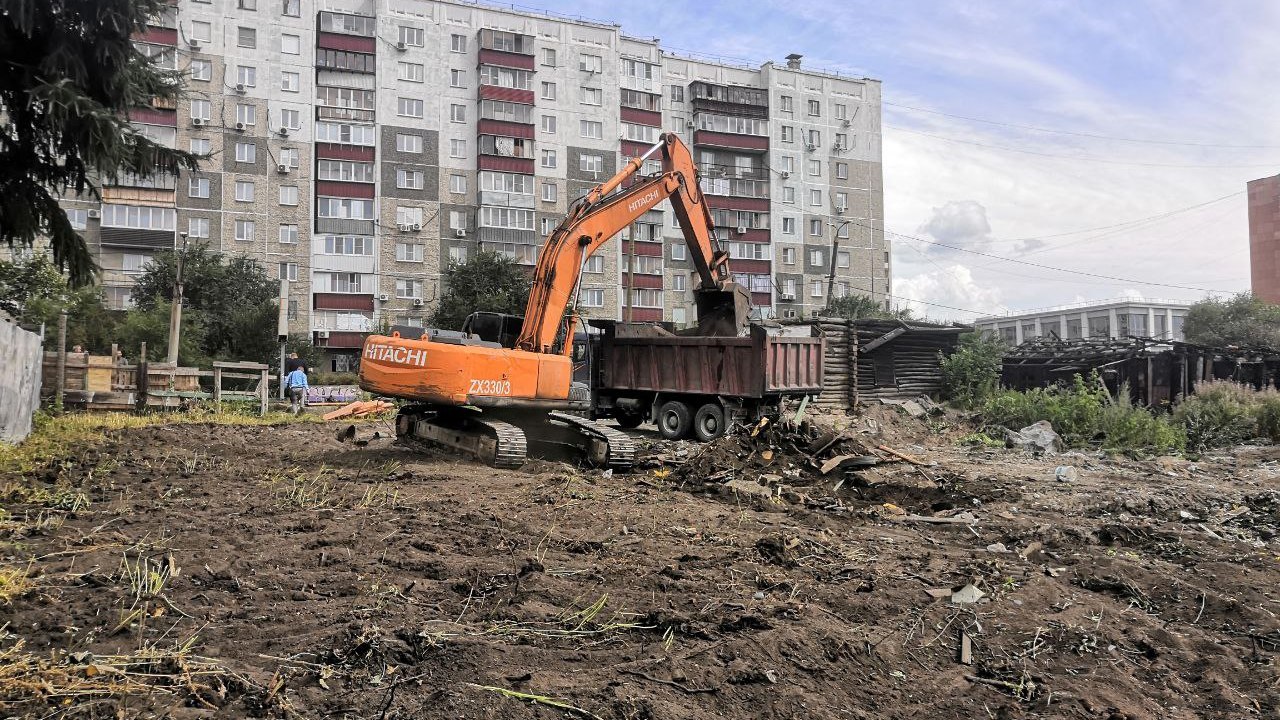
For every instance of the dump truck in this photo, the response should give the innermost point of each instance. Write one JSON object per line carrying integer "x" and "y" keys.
{"x": 694, "y": 385}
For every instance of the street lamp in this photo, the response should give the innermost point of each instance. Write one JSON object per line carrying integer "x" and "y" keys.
{"x": 175, "y": 310}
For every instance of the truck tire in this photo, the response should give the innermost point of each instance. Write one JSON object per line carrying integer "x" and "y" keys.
{"x": 708, "y": 423}
{"x": 674, "y": 420}
{"x": 628, "y": 420}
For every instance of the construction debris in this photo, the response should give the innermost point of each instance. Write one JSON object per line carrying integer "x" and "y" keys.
{"x": 359, "y": 409}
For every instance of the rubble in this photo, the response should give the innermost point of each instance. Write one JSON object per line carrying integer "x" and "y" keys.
{"x": 1038, "y": 437}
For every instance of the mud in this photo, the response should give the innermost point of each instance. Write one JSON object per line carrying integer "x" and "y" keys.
{"x": 323, "y": 580}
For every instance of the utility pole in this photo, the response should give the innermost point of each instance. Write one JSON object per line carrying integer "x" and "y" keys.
{"x": 835, "y": 250}
{"x": 175, "y": 310}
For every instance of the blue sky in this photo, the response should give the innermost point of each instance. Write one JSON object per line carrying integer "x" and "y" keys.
{"x": 1187, "y": 78}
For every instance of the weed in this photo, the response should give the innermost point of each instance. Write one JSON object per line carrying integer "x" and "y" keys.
{"x": 1226, "y": 413}
{"x": 300, "y": 489}
{"x": 14, "y": 583}
{"x": 979, "y": 439}
{"x": 378, "y": 495}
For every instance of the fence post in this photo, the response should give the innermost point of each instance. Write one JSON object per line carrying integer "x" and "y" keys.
{"x": 217, "y": 388}
{"x": 141, "y": 379}
{"x": 263, "y": 392}
{"x": 60, "y": 382}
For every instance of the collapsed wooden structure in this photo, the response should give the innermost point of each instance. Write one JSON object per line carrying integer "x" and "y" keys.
{"x": 1155, "y": 372}
{"x": 881, "y": 359}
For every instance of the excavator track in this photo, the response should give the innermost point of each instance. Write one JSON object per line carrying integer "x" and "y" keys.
{"x": 492, "y": 441}
{"x": 512, "y": 448}
{"x": 621, "y": 453}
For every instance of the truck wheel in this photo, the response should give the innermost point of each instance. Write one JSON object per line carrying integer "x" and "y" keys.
{"x": 708, "y": 424}
{"x": 628, "y": 421}
{"x": 674, "y": 420}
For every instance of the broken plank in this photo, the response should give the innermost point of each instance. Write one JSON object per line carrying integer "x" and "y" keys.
{"x": 939, "y": 520}
{"x": 902, "y": 455}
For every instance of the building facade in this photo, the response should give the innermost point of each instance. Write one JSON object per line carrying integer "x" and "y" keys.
{"x": 358, "y": 147}
{"x": 1264, "y": 238}
{"x": 1119, "y": 319}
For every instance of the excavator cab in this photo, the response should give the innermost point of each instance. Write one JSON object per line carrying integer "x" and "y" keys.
{"x": 500, "y": 328}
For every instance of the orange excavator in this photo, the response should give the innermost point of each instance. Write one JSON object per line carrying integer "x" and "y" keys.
{"x": 505, "y": 382}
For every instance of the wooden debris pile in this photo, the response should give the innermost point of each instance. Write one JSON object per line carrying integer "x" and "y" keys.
{"x": 360, "y": 408}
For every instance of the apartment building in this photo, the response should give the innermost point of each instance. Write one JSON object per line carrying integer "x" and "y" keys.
{"x": 1264, "y": 237}
{"x": 1115, "y": 319}
{"x": 357, "y": 147}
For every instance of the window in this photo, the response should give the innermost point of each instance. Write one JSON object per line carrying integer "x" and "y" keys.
{"x": 842, "y": 200}
{"x": 457, "y": 220}
{"x": 458, "y": 78}
{"x": 591, "y": 129}
{"x": 348, "y": 245}
{"x": 841, "y": 111}
{"x": 198, "y": 227}
{"x": 677, "y": 93}
{"x": 408, "y": 216}
{"x": 344, "y": 282}
{"x": 343, "y": 60}
{"x": 592, "y": 96}
{"x": 246, "y": 114}
{"x": 788, "y": 256}
{"x": 288, "y": 194}
{"x": 591, "y": 297}
{"x": 245, "y": 230}
{"x": 732, "y": 124}
{"x": 815, "y": 228}
{"x": 457, "y": 43}
{"x": 815, "y": 138}
{"x": 750, "y": 251}
{"x": 347, "y": 208}
{"x": 788, "y": 164}
{"x": 247, "y": 37}
{"x": 410, "y": 72}
{"x": 198, "y": 187}
{"x": 788, "y": 134}
{"x": 244, "y": 191}
{"x": 642, "y": 264}
{"x": 247, "y": 4}
{"x": 457, "y": 148}
{"x": 290, "y": 81}
{"x": 201, "y": 31}
{"x": 590, "y": 63}
{"x": 506, "y": 111}
{"x": 548, "y": 158}
{"x": 201, "y": 109}
{"x": 842, "y": 230}
{"x": 201, "y": 146}
{"x": 548, "y": 91}
{"x": 79, "y": 219}
{"x": 408, "y": 143}
{"x": 412, "y": 36}
{"x": 549, "y": 124}
{"x": 591, "y": 163}
{"x": 516, "y": 183}
{"x": 457, "y": 254}
{"x": 646, "y": 298}
{"x": 549, "y": 57}
{"x": 201, "y": 70}
{"x": 458, "y": 184}
{"x": 246, "y": 152}
{"x": 788, "y": 226}
{"x": 679, "y": 252}
{"x": 290, "y": 44}
{"x": 457, "y": 113}
{"x": 410, "y": 179}
{"x": 815, "y": 197}
{"x": 289, "y": 271}
{"x": 815, "y": 108}
{"x": 409, "y": 107}
{"x": 409, "y": 252}
{"x": 815, "y": 167}
{"x": 503, "y": 217}
{"x": 134, "y": 264}
{"x": 815, "y": 288}
{"x": 788, "y": 194}
{"x": 842, "y": 171}
{"x": 594, "y": 264}
{"x": 292, "y": 8}
{"x": 344, "y": 171}
{"x": 640, "y": 133}
{"x": 789, "y": 287}
{"x": 786, "y": 105}
{"x": 842, "y": 141}
{"x": 549, "y": 192}
{"x": 678, "y": 282}
{"x": 842, "y": 259}
{"x": 247, "y": 75}
{"x": 817, "y": 257}
{"x": 289, "y": 235}
{"x": 291, "y": 119}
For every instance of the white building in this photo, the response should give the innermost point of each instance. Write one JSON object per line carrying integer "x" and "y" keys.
{"x": 1109, "y": 319}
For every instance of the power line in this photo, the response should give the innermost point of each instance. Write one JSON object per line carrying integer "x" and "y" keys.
{"x": 1081, "y": 134}
{"x": 1082, "y": 158}
{"x": 1126, "y": 223}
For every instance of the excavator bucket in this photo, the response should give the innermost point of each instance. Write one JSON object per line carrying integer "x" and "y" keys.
{"x": 723, "y": 313}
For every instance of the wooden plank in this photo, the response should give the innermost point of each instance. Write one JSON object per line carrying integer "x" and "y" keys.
{"x": 882, "y": 340}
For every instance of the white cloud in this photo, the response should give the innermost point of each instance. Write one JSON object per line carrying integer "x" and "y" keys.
{"x": 962, "y": 223}
{"x": 952, "y": 286}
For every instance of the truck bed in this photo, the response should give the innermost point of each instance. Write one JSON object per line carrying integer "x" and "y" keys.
{"x": 758, "y": 366}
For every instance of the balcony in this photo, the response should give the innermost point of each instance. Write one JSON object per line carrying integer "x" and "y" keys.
{"x": 730, "y": 99}
{"x": 730, "y": 141}
{"x": 341, "y": 301}
{"x": 341, "y": 113}
{"x": 506, "y": 94}
{"x": 346, "y": 60}
{"x": 500, "y": 128}
{"x": 713, "y": 184}
{"x": 506, "y": 42}
{"x": 505, "y": 146}
{"x": 347, "y": 24}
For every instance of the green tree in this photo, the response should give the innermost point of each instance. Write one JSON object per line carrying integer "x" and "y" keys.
{"x": 34, "y": 292}
{"x": 487, "y": 282}
{"x": 235, "y": 298}
{"x": 972, "y": 373}
{"x": 862, "y": 307}
{"x": 151, "y": 325}
{"x": 71, "y": 75}
{"x": 1239, "y": 320}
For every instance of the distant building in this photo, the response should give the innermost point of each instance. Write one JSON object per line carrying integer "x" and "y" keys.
{"x": 1109, "y": 319}
{"x": 1264, "y": 238}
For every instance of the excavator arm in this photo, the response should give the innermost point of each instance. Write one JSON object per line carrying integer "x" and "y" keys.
{"x": 602, "y": 214}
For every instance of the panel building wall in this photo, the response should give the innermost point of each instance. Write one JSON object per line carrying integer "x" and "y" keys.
{"x": 358, "y": 147}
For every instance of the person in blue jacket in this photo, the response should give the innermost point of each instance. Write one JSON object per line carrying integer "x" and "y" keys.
{"x": 296, "y": 383}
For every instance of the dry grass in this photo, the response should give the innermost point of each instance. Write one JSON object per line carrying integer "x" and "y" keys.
{"x": 15, "y": 582}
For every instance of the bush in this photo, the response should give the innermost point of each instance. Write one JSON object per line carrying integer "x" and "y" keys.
{"x": 1224, "y": 413}
{"x": 972, "y": 373}
{"x": 1083, "y": 413}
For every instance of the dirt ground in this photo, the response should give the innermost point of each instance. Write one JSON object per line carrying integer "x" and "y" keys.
{"x": 202, "y": 571}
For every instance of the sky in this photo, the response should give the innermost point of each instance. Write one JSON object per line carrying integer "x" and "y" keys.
{"x": 1160, "y": 112}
